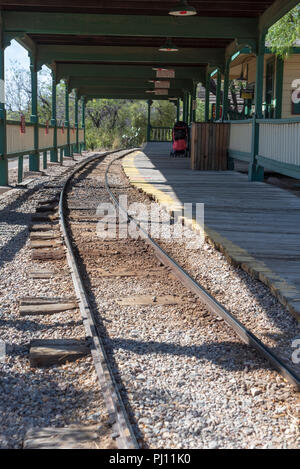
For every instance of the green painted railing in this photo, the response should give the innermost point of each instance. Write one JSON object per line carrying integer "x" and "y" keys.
{"x": 20, "y": 144}
{"x": 161, "y": 134}
{"x": 277, "y": 144}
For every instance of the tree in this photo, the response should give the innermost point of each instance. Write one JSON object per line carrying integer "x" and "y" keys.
{"x": 283, "y": 34}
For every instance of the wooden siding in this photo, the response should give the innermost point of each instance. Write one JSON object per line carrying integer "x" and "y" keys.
{"x": 240, "y": 136}
{"x": 291, "y": 72}
{"x": 45, "y": 140}
{"x": 209, "y": 143}
{"x": 18, "y": 142}
{"x": 280, "y": 142}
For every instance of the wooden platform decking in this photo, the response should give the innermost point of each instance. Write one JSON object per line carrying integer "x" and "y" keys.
{"x": 256, "y": 225}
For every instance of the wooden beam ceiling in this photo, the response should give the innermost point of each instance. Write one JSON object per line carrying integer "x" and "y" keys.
{"x": 105, "y": 71}
{"x": 49, "y": 54}
{"x": 218, "y": 8}
{"x": 129, "y": 26}
{"x": 97, "y": 38}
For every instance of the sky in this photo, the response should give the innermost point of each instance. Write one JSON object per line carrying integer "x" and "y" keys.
{"x": 14, "y": 53}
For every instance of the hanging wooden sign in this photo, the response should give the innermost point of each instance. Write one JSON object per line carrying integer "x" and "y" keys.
{"x": 73, "y": 129}
{"x": 22, "y": 125}
{"x": 165, "y": 73}
{"x": 161, "y": 92}
{"x": 162, "y": 84}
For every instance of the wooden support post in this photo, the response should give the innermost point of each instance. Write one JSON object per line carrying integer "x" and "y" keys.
{"x": 61, "y": 156}
{"x": 279, "y": 87}
{"x": 149, "y": 102}
{"x": 218, "y": 95}
{"x": 207, "y": 92}
{"x": 53, "y": 153}
{"x": 83, "y": 121}
{"x": 20, "y": 169}
{"x": 34, "y": 158}
{"x": 3, "y": 149}
{"x": 194, "y": 102}
{"x": 226, "y": 89}
{"x": 185, "y": 106}
{"x": 67, "y": 120}
{"x": 260, "y": 61}
{"x": 178, "y": 110}
{"x": 76, "y": 122}
{"x": 45, "y": 159}
{"x": 256, "y": 172}
{"x": 191, "y": 107}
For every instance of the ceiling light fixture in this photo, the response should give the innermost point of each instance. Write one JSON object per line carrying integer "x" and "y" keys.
{"x": 183, "y": 9}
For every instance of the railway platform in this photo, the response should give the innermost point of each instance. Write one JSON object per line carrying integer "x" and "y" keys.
{"x": 256, "y": 225}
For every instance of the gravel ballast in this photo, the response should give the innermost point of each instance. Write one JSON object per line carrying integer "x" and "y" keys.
{"x": 186, "y": 379}
{"x": 58, "y": 396}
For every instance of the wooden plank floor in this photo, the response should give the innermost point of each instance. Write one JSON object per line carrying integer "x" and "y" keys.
{"x": 256, "y": 224}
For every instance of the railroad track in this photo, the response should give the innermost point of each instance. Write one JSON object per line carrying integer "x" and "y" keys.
{"x": 136, "y": 257}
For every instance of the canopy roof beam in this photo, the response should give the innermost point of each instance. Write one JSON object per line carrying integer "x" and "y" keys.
{"x": 128, "y": 25}
{"x": 101, "y": 71}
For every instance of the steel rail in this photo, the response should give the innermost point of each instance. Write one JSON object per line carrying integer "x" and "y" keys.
{"x": 118, "y": 418}
{"x": 210, "y": 302}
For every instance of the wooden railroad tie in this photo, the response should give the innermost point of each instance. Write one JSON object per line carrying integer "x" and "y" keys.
{"x": 44, "y": 217}
{"x": 71, "y": 437}
{"x": 46, "y": 208}
{"x": 127, "y": 272}
{"x": 48, "y": 254}
{"x": 151, "y": 300}
{"x": 41, "y": 273}
{"x": 45, "y": 243}
{"x": 43, "y": 305}
{"x": 44, "y": 227}
{"x": 49, "y": 352}
{"x": 51, "y": 234}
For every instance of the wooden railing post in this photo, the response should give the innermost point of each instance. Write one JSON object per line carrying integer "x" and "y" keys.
{"x": 226, "y": 89}
{"x": 207, "y": 92}
{"x": 34, "y": 158}
{"x": 83, "y": 120}
{"x": 67, "y": 120}
{"x": 256, "y": 172}
{"x": 149, "y": 102}
{"x": 53, "y": 152}
{"x": 76, "y": 122}
{"x": 3, "y": 148}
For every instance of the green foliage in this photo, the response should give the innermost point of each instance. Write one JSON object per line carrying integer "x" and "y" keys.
{"x": 283, "y": 34}
{"x": 200, "y": 111}
{"x": 119, "y": 123}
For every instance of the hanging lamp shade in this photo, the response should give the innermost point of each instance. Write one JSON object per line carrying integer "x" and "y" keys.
{"x": 182, "y": 9}
{"x": 168, "y": 46}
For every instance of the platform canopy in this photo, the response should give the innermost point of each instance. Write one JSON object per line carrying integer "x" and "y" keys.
{"x": 111, "y": 48}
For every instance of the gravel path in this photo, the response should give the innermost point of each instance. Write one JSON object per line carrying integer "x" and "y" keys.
{"x": 57, "y": 396}
{"x": 186, "y": 379}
